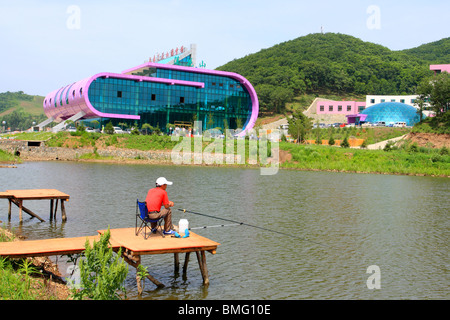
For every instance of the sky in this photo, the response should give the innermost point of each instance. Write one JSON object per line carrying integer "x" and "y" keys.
{"x": 45, "y": 45}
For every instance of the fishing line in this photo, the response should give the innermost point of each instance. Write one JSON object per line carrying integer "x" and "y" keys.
{"x": 250, "y": 225}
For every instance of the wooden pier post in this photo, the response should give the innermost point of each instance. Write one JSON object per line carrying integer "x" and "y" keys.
{"x": 201, "y": 257}
{"x": 176, "y": 259}
{"x": 186, "y": 262}
{"x": 53, "y": 212}
{"x": 19, "y": 203}
{"x": 135, "y": 261}
{"x": 56, "y": 209}
{"x": 51, "y": 209}
{"x": 9, "y": 210}
{"x": 63, "y": 211}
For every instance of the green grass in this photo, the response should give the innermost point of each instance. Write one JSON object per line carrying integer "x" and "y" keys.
{"x": 146, "y": 142}
{"x": 423, "y": 161}
{"x": 409, "y": 159}
{"x": 38, "y": 136}
{"x": 370, "y": 134}
{"x": 6, "y": 157}
{"x": 16, "y": 278}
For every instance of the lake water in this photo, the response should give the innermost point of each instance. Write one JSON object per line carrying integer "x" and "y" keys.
{"x": 398, "y": 223}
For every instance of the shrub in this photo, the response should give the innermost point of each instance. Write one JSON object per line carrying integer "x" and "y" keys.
{"x": 102, "y": 272}
{"x": 389, "y": 146}
{"x": 109, "y": 128}
{"x": 331, "y": 141}
{"x": 364, "y": 144}
{"x": 413, "y": 147}
{"x": 345, "y": 143}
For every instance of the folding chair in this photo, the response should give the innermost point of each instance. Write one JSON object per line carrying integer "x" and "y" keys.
{"x": 142, "y": 216}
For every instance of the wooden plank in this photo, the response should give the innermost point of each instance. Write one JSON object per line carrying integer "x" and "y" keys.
{"x": 156, "y": 244}
{"x": 47, "y": 247}
{"x": 17, "y": 196}
{"x": 38, "y": 194}
{"x": 6, "y": 195}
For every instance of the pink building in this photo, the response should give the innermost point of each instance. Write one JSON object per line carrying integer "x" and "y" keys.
{"x": 438, "y": 68}
{"x": 340, "y": 107}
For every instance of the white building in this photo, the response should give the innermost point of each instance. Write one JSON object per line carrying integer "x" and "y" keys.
{"x": 406, "y": 99}
{"x": 371, "y": 100}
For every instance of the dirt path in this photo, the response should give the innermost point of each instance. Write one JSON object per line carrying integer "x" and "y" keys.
{"x": 382, "y": 144}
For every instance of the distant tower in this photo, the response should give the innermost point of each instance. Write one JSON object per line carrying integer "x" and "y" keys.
{"x": 321, "y": 29}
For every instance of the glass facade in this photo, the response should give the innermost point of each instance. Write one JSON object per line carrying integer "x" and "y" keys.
{"x": 223, "y": 102}
{"x": 391, "y": 112}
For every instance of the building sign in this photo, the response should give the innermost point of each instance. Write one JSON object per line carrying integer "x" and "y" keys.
{"x": 173, "y": 52}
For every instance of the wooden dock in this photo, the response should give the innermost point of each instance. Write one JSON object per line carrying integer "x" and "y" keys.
{"x": 18, "y": 196}
{"x": 133, "y": 247}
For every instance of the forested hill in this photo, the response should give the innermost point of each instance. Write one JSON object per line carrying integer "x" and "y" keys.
{"x": 437, "y": 52}
{"x": 336, "y": 64}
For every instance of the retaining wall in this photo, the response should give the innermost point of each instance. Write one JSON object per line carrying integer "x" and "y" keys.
{"x": 36, "y": 150}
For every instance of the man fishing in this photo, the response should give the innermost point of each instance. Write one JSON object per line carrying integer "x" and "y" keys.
{"x": 156, "y": 198}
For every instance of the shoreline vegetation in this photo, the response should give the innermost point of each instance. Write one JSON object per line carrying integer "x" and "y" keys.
{"x": 410, "y": 156}
{"x": 36, "y": 278}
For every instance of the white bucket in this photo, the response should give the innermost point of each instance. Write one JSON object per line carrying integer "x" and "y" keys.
{"x": 183, "y": 224}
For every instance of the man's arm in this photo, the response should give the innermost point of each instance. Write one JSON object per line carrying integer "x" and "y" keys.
{"x": 170, "y": 204}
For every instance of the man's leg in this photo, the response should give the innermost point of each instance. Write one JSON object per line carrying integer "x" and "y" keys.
{"x": 167, "y": 214}
{"x": 153, "y": 216}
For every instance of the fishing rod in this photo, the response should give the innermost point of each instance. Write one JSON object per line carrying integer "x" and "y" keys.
{"x": 216, "y": 226}
{"x": 237, "y": 223}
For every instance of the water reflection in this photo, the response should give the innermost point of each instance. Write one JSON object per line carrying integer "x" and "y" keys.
{"x": 399, "y": 223}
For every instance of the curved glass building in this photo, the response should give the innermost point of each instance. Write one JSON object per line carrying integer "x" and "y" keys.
{"x": 391, "y": 112}
{"x": 159, "y": 94}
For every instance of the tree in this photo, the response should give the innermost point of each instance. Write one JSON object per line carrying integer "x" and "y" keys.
{"x": 345, "y": 143}
{"x": 420, "y": 102}
{"x": 331, "y": 141}
{"x": 273, "y": 98}
{"x": 436, "y": 90}
{"x": 279, "y": 97}
{"x": 299, "y": 125}
{"x": 147, "y": 127}
{"x": 318, "y": 131}
{"x": 95, "y": 123}
{"x": 109, "y": 128}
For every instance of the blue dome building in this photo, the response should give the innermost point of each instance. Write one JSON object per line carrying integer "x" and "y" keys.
{"x": 391, "y": 112}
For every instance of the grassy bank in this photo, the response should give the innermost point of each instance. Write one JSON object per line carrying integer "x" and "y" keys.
{"x": 410, "y": 159}
{"x": 6, "y": 157}
{"x": 21, "y": 279}
{"x": 155, "y": 142}
{"x": 371, "y": 135}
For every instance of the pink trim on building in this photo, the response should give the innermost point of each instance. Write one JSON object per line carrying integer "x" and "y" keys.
{"x": 67, "y": 101}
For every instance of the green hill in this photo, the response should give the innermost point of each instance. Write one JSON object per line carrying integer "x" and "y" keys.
{"x": 437, "y": 52}
{"x": 337, "y": 64}
{"x": 10, "y": 101}
{"x": 20, "y": 110}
